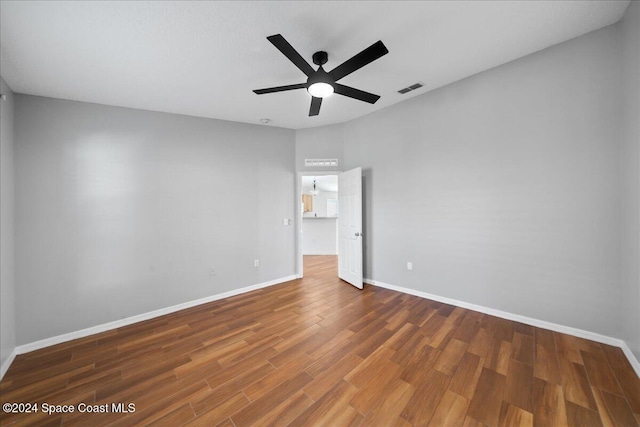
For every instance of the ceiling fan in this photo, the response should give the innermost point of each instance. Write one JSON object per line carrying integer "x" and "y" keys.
{"x": 320, "y": 83}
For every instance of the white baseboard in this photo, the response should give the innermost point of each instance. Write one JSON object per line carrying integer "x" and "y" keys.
{"x": 518, "y": 318}
{"x": 37, "y": 345}
{"x": 630, "y": 357}
{"x": 5, "y": 365}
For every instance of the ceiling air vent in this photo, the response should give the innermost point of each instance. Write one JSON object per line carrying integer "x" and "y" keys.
{"x": 320, "y": 162}
{"x": 410, "y": 88}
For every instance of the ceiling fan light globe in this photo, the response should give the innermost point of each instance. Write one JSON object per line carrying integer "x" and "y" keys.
{"x": 320, "y": 89}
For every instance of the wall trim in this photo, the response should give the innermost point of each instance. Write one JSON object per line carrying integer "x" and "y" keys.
{"x": 5, "y": 366}
{"x": 593, "y": 336}
{"x": 630, "y": 357}
{"x": 47, "y": 342}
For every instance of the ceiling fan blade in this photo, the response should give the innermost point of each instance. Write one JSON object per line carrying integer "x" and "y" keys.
{"x": 315, "y": 106}
{"x": 354, "y": 93}
{"x": 358, "y": 61}
{"x": 283, "y": 46}
{"x": 280, "y": 88}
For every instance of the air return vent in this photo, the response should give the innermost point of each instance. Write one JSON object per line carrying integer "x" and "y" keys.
{"x": 320, "y": 162}
{"x": 410, "y": 88}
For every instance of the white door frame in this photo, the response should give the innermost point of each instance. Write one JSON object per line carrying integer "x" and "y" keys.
{"x": 298, "y": 222}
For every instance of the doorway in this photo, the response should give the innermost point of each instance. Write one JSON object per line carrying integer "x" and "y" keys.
{"x": 317, "y": 217}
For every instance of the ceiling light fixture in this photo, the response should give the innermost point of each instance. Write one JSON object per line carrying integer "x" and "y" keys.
{"x": 320, "y": 89}
{"x": 320, "y": 83}
{"x": 314, "y": 192}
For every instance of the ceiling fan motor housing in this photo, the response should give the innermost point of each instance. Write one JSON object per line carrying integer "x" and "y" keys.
{"x": 320, "y": 58}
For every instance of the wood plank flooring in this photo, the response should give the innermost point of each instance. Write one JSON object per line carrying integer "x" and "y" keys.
{"x": 316, "y": 352}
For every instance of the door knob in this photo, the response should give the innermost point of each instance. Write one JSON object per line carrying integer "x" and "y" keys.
{"x": 359, "y": 234}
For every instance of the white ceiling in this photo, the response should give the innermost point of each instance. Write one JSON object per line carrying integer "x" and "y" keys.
{"x": 204, "y": 58}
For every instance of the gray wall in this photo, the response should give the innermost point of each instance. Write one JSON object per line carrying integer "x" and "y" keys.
{"x": 630, "y": 27}
{"x": 319, "y": 143}
{"x": 7, "y": 277}
{"x": 121, "y": 211}
{"x": 503, "y": 189}
{"x": 319, "y": 236}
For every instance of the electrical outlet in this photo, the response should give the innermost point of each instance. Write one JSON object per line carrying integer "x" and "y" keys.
{"x": 256, "y": 263}
{"x": 212, "y": 272}
{"x": 409, "y": 265}
{"x": 286, "y": 221}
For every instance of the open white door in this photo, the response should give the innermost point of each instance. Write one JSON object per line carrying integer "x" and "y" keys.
{"x": 350, "y": 227}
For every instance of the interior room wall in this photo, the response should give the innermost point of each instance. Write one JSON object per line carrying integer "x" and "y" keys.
{"x": 7, "y": 273}
{"x": 319, "y": 236}
{"x": 320, "y": 202}
{"x": 323, "y": 142}
{"x": 630, "y": 28}
{"x": 121, "y": 211}
{"x": 503, "y": 189}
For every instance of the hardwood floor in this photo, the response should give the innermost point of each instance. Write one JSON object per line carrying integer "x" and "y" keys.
{"x": 318, "y": 352}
